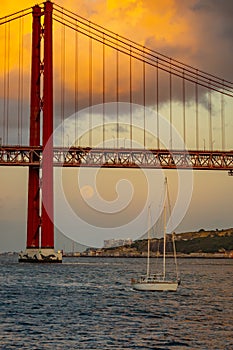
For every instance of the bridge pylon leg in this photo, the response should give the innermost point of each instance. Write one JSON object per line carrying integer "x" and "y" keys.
{"x": 41, "y": 249}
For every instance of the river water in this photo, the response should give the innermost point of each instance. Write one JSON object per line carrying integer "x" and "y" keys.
{"x": 88, "y": 303}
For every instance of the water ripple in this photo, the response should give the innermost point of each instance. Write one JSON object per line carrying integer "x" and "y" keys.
{"x": 88, "y": 303}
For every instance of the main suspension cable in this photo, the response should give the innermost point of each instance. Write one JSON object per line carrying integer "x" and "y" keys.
{"x": 151, "y": 57}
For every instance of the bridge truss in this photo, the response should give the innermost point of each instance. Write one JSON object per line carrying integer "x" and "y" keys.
{"x": 119, "y": 158}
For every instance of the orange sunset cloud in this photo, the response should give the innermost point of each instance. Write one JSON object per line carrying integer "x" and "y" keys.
{"x": 168, "y": 26}
{"x": 148, "y": 23}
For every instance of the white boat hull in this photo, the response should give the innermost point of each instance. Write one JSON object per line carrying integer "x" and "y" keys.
{"x": 160, "y": 286}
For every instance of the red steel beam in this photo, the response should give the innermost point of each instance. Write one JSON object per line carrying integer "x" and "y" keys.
{"x": 47, "y": 225}
{"x": 118, "y": 158}
{"x": 33, "y": 216}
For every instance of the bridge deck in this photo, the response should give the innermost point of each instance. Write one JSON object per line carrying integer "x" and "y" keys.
{"x": 118, "y": 158}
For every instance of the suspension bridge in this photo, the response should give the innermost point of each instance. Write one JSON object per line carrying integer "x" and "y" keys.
{"x": 152, "y": 111}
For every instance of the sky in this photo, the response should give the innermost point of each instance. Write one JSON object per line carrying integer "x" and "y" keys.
{"x": 96, "y": 205}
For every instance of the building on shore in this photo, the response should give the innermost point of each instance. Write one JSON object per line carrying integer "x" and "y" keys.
{"x": 110, "y": 243}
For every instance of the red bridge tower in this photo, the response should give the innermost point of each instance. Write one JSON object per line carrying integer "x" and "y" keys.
{"x": 40, "y": 224}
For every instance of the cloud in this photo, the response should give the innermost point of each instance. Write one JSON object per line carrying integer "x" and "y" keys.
{"x": 210, "y": 23}
{"x": 196, "y": 32}
{"x": 193, "y": 31}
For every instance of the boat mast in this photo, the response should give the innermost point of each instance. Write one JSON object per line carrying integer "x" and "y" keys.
{"x": 164, "y": 232}
{"x": 148, "y": 245}
{"x": 174, "y": 250}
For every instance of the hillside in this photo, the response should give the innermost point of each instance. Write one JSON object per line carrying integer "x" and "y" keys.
{"x": 192, "y": 242}
{"x": 199, "y": 243}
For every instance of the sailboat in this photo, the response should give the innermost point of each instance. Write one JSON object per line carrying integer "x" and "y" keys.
{"x": 157, "y": 281}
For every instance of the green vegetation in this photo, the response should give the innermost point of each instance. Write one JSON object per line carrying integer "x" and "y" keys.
{"x": 193, "y": 242}
{"x": 205, "y": 245}
{"x": 218, "y": 243}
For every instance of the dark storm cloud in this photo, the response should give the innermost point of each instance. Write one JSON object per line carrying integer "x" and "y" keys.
{"x": 211, "y": 23}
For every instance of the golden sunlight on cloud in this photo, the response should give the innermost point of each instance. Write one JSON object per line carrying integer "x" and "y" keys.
{"x": 152, "y": 24}
{"x": 145, "y": 19}
{"x": 131, "y": 9}
{"x": 9, "y": 7}
{"x": 166, "y": 26}
{"x": 13, "y": 36}
{"x": 145, "y": 22}
{"x": 78, "y": 61}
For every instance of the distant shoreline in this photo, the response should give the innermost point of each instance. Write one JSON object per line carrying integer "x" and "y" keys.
{"x": 179, "y": 256}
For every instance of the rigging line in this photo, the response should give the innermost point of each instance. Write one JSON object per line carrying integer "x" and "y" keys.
{"x": 162, "y": 67}
{"x": 148, "y": 241}
{"x": 175, "y": 256}
{"x": 169, "y": 205}
{"x": 158, "y": 227}
{"x": 164, "y": 243}
{"x": 172, "y": 233}
{"x": 134, "y": 43}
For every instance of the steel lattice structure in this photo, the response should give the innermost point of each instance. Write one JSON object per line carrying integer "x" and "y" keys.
{"x": 118, "y": 158}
